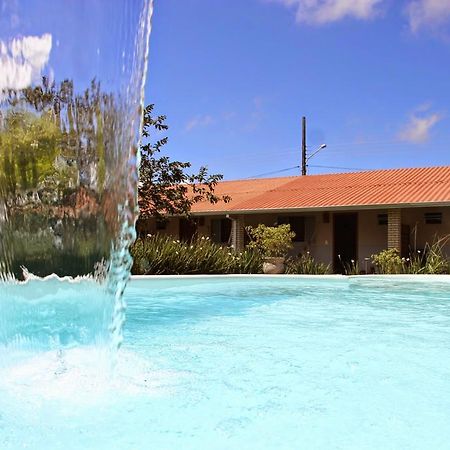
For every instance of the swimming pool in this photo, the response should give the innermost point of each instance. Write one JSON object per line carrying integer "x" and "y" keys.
{"x": 249, "y": 363}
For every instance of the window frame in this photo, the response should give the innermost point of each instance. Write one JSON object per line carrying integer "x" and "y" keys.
{"x": 433, "y": 218}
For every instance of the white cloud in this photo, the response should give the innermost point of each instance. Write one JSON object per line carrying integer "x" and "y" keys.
{"x": 325, "y": 11}
{"x": 427, "y": 13}
{"x": 22, "y": 60}
{"x": 199, "y": 121}
{"x": 418, "y": 128}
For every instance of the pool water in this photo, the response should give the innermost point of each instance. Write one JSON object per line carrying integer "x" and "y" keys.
{"x": 247, "y": 363}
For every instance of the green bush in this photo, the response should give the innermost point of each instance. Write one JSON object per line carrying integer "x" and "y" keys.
{"x": 435, "y": 260}
{"x": 350, "y": 267}
{"x": 431, "y": 260}
{"x": 67, "y": 247}
{"x": 388, "y": 262}
{"x": 163, "y": 255}
{"x": 247, "y": 261}
{"x": 306, "y": 264}
{"x": 271, "y": 241}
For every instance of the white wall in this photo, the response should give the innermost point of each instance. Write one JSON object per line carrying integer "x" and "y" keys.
{"x": 421, "y": 232}
{"x": 372, "y": 238}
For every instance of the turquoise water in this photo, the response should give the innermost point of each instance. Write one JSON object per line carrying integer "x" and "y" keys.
{"x": 246, "y": 363}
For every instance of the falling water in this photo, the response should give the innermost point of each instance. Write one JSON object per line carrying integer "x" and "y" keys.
{"x": 71, "y": 91}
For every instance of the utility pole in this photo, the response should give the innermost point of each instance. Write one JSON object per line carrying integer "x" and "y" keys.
{"x": 303, "y": 145}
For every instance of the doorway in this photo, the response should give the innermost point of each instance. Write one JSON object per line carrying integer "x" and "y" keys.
{"x": 345, "y": 238}
{"x": 405, "y": 241}
{"x": 188, "y": 229}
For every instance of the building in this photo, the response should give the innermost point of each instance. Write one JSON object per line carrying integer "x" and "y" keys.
{"x": 336, "y": 217}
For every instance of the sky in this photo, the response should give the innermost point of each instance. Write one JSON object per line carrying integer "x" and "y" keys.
{"x": 78, "y": 40}
{"x": 234, "y": 78}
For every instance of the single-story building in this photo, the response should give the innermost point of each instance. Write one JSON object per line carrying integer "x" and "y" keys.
{"x": 336, "y": 217}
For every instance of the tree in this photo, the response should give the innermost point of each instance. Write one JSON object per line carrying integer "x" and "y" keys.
{"x": 62, "y": 175}
{"x": 28, "y": 148}
{"x": 53, "y": 140}
{"x": 165, "y": 187}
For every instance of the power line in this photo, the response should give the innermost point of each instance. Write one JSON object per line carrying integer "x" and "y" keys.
{"x": 338, "y": 167}
{"x": 297, "y": 167}
{"x": 362, "y": 143}
{"x": 273, "y": 173}
{"x": 365, "y": 150}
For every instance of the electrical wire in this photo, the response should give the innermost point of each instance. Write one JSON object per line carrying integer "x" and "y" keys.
{"x": 338, "y": 167}
{"x": 401, "y": 148}
{"x": 273, "y": 173}
{"x": 298, "y": 167}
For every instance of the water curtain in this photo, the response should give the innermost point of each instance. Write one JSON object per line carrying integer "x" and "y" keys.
{"x": 71, "y": 94}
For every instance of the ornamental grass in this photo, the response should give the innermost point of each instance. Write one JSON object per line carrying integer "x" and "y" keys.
{"x": 432, "y": 260}
{"x": 163, "y": 255}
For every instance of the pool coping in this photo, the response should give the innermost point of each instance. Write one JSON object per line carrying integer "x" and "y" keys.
{"x": 375, "y": 277}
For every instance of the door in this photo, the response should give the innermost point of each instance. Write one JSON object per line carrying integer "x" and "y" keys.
{"x": 188, "y": 229}
{"x": 345, "y": 238}
{"x": 405, "y": 242}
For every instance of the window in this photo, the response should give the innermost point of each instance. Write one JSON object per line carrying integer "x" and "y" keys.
{"x": 221, "y": 230}
{"x": 297, "y": 224}
{"x": 382, "y": 219}
{"x": 433, "y": 218}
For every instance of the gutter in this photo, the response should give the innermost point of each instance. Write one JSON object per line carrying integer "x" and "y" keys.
{"x": 322, "y": 208}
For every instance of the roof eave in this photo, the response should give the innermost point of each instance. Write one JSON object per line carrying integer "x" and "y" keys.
{"x": 323, "y": 208}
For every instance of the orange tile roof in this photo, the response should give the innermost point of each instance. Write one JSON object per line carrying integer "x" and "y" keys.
{"x": 418, "y": 186}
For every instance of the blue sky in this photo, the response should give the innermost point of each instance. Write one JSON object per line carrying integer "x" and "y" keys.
{"x": 234, "y": 78}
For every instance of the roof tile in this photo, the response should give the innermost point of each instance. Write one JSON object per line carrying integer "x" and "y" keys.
{"x": 369, "y": 188}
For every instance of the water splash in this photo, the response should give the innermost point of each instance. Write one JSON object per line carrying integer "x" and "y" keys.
{"x": 68, "y": 173}
{"x": 80, "y": 378}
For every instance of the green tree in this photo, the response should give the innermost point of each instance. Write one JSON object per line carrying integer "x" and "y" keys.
{"x": 165, "y": 186}
{"x": 57, "y": 146}
{"x": 28, "y": 147}
{"x": 53, "y": 140}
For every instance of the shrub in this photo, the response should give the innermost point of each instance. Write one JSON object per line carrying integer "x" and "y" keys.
{"x": 435, "y": 260}
{"x": 305, "y": 264}
{"x": 162, "y": 255}
{"x": 431, "y": 260}
{"x": 247, "y": 261}
{"x": 350, "y": 268}
{"x": 271, "y": 241}
{"x": 387, "y": 261}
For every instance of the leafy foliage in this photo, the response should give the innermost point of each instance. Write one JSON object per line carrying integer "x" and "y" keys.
{"x": 431, "y": 260}
{"x": 271, "y": 241}
{"x": 165, "y": 188}
{"x": 52, "y": 140}
{"x": 306, "y": 264}
{"x": 434, "y": 260}
{"x": 39, "y": 243}
{"x": 350, "y": 267}
{"x": 162, "y": 255}
{"x": 60, "y": 177}
{"x": 388, "y": 261}
{"x": 22, "y": 166}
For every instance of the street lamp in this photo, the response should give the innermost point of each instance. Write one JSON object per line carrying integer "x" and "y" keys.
{"x": 321, "y": 147}
{"x": 317, "y": 151}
